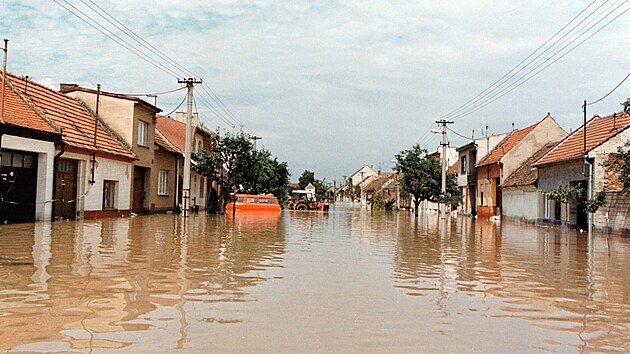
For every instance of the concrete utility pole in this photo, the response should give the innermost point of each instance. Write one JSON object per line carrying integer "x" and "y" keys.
{"x": 444, "y": 144}
{"x": 187, "y": 150}
{"x": 255, "y": 138}
{"x": 4, "y": 73}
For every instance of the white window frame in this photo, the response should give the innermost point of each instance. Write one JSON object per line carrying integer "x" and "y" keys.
{"x": 143, "y": 133}
{"x": 163, "y": 182}
{"x": 111, "y": 187}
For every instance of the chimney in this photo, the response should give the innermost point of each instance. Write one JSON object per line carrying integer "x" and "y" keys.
{"x": 67, "y": 87}
{"x": 181, "y": 117}
{"x": 513, "y": 127}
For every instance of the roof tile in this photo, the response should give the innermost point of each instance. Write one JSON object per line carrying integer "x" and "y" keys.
{"x": 506, "y": 145}
{"x": 598, "y": 131}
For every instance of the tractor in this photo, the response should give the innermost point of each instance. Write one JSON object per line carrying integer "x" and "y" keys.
{"x": 303, "y": 200}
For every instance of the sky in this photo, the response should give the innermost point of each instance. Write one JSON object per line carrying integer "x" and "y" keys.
{"x": 331, "y": 86}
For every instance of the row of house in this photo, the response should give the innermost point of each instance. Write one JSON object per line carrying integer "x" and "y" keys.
{"x": 511, "y": 174}
{"x": 83, "y": 153}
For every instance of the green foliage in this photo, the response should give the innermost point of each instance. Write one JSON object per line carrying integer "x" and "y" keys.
{"x": 233, "y": 162}
{"x": 567, "y": 194}
{"x": 320, "y": 185}
{"x": 597, "y": 202}
{"x": 619, "y": 163}
{"x": 378, "y": 203}
{"x": 422, "y": 177}
{"x": 626, "y": 106}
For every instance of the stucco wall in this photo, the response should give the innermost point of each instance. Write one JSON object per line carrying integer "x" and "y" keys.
{"x": 164, "y": 161}
{"x": 545, "y": 132}
{"x": 91, "y": 197}
{"x": 521, "y": 203}
{"x": 115, "y": 112}
{"x": 45, "y": 167}
{"x": 550, "y": 177}
{"x": 145, "y": 153}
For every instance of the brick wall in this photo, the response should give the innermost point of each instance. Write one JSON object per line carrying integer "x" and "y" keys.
{"x": 618, "y": 211}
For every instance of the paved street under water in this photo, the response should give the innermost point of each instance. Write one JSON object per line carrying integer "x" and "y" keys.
{"x": 345, "y": 281}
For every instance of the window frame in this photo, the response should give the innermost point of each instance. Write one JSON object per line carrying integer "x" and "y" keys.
{"x": 163, "y": 189}
{"x": 143, "y": 133}
{"x": 110, "y": 188}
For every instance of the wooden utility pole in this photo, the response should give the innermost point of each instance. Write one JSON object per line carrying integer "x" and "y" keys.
{"x": 444, "y": 144}
{"x": 187, "y": 150}
{"x": 255, "y": 138}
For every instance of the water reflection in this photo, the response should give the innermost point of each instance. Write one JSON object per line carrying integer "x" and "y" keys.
{"x": 74, "y": 285}
{"x": 346, "y": 281}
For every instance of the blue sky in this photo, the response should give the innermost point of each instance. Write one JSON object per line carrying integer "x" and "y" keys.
{"x": 333, "y": 85}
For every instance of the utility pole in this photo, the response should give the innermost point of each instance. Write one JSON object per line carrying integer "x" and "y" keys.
{"x": 444, "y": 144}
{"x": 4, "y": 73}
{"x": 187, "y": 150}
{"x": 254, "y": 138}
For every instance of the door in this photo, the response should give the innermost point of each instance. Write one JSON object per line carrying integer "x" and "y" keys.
{"x": 18, "y": 186}
{"x": 139, "y": 194}
{"x": 65, "y": 204}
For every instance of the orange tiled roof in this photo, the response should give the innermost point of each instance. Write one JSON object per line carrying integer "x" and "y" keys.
{"x": 163, "y": 143}
{"x": 75, "y": 120}
{"x": 379, "y": 181}
{"x": 173, "y": 130}
{"x": 17, "y": 112}
{"x": 506, "y": 145}
{"x": 598, "y": 131}
{"x": 453, "y": 169}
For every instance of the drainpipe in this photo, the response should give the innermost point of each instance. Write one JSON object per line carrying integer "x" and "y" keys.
{"x": 55, "y": 163}
{"x": 175, "y": 202}
{"x": 591, "y": 184}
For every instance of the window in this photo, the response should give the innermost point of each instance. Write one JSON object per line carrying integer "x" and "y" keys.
{"x": 109, "y": 194}
{"x": 143, "y": 133}
{"x": 162, "y": 182}
{"x": 462, "y": 165}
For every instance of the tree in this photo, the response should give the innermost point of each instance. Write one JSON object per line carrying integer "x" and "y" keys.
{"x": 419, "y": 175}
{"x": 232, "y": 162}
{"x": 619, "y": 163}
{"x": 567, "y": 194}
{"x": 320, "y": 185}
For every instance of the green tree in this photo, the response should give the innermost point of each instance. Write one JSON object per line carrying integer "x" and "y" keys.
{"x": 619, "y": 163}
{"x": 232, "y": 162}
{"x": 320, "y": 185}
{"x": 567, "y": 194}
{"x": 419, "y": 175}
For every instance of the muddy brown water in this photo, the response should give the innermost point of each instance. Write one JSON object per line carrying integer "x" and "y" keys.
{"x": 346, "y": 281}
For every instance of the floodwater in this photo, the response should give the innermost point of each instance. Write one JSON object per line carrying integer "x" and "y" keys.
{"x": 346, "y": 281}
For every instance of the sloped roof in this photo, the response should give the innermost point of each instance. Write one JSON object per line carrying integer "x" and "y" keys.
{"x": 163, "y": 143}
{"x": 174, "y": 131}
{"x": 527, "y": 175}
{"x": 76, "y": 122}
{"x": 17, "y": 112}
{"x": 378, "y": 182}
{"x": 506, "y": 145}
{"x": 453, "y": 169}
{"x": 67, "y": 88}
{"x": 598, "y": 130}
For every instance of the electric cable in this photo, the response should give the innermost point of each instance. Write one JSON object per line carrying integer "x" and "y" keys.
{"x": 118, "y": 40}
{"x": 483, "y": 100}
{"x": 458, "y": 134}
{"x": 613, "y": 90}
{"x": 493, "y": 99}
{"x": 154, "y": 93}
{"x": 176, "y": 108}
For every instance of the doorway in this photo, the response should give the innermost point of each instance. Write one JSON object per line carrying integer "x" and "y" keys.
{"x": 65, "y": 204}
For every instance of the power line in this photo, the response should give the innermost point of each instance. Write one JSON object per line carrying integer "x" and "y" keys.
{"x": 170, "y": 66}
{"x": 176, "y": 108}
{"x": 458, "y": 134}
{"x": 490, "y": 100}
{"x": 490, "y": 95}
{"x": 118, "y": 40}
{"x": 154, "y": 93}
{"x": 611, "y": 91}
{"x": 512, "y": 71}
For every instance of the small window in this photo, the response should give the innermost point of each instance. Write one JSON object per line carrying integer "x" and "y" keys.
{"x": 240, "y": 199}
{"x": 252, "y": 200}
{"x": 109, "y": 194}
{"x": 17, "y": 160}
{"x": 143, "y": 133}
{"x": 462, "y": 165}
{"x": 162, "y": 182}
{"x": 6, "y": 159}
{"x": 28, "y": 161}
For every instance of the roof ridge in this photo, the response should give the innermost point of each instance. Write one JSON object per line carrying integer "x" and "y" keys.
{"x": 30, "y": 104}
{"x": 105, "y": 126}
